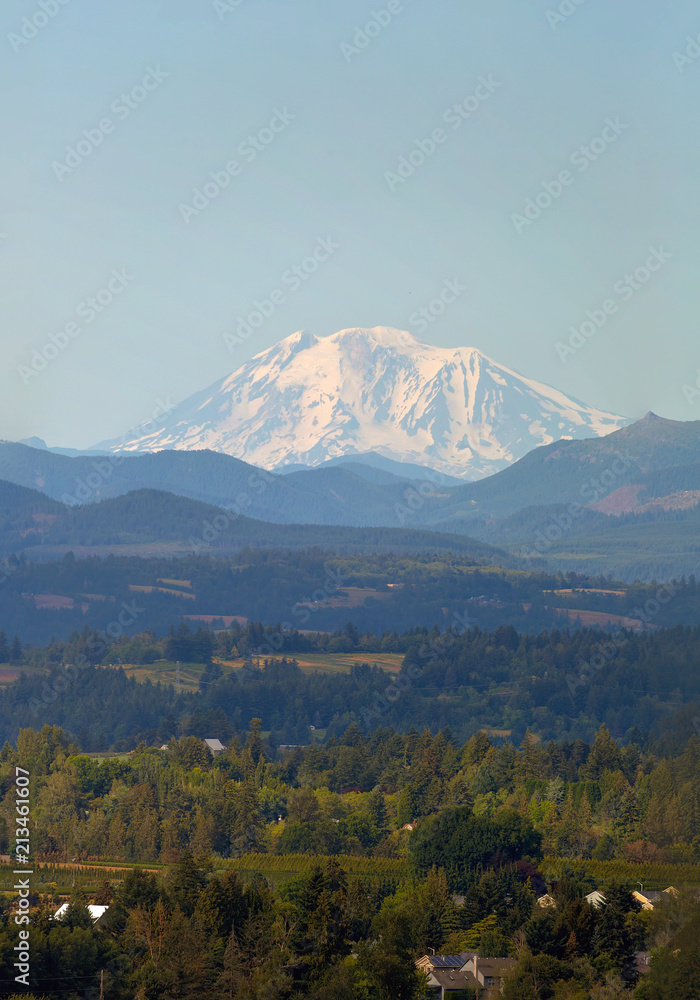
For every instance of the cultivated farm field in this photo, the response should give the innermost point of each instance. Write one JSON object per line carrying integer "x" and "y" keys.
{"x": 188, "y": 675}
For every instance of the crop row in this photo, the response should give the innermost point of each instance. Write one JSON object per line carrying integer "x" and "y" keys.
{"x": 651, "y": 874}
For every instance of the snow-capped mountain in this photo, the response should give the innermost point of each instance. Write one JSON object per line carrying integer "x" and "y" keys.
{"x": 309, "y": 399}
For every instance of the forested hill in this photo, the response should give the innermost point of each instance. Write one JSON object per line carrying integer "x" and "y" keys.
{"x": 25, "y": 514}
{"x": 323, "y": 590}
{"x": 554, "y": 683}
{"x": 148, "y": 521}
{"x": 626, "y": 505}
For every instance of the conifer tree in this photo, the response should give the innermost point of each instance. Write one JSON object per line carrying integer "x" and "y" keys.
{"x": 612, "y": 940}
{"x": 16, "y": 654}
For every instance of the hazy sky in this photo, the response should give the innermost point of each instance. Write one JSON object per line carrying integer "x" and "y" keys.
{"x": 304, "y": 122}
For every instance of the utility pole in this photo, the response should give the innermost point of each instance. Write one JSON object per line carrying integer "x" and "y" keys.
{"x": 102, "y": 984}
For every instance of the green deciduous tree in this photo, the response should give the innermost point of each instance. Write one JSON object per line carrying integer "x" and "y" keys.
{"x": 460, "y": 842}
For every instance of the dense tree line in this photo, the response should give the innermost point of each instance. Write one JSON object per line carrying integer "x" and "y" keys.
{"x": 298, "y": 587}
{"x": 355, "y": 794}
{"x": 483, "y": 814}
{"x": 557, "y": 684}
{"x": 329, "y": 936}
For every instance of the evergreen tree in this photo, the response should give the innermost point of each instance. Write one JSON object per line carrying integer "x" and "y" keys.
{"x": 545, "y": 935}
{"x": 103, "y": 896}
{"x": 405, "y": 807}
{"x": 16, "y": 653}
{"x": 254, "y": 748}
{"x": 223, "y": 906}
{"x": 139, "y": 888}
{"x": 186, "y": 883}
{"x": 385, "y": 964}
{"x": 77, "y": 914}
{"x": 612, "y": 941}
{"x": 675, "y": 971}
{"x": 605, "y": 755}
{"x": 376, "y": 808}
{"x": 475, "y": 750}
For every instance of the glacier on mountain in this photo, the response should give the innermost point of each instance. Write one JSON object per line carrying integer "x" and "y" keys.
{"x": 308, "y": 399}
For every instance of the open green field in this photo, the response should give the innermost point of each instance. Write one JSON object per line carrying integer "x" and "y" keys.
{"x": 54, "y": 877}
{"x": 341, "y": 663}
{"x": 389, "y": 872}
{"x": 275, "y": 869}
{"x": 9, "y": 672}
{"x": 653, "y": 875}
{"x": 280, "y": 868}
{"x": 335, "y": 663}
{"x": 188, "y": 676}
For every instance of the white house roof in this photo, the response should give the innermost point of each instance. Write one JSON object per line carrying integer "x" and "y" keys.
{"x": 95, "y": 911}
{"x": 215, "y": 745}
{"x": 595, "y": 898}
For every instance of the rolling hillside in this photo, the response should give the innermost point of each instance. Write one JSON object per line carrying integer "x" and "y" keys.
{"x": 621, "y": 505}
{"x": 176, "y": 525}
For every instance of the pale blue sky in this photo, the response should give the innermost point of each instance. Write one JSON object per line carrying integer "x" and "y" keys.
{"x": 323, "y": 175}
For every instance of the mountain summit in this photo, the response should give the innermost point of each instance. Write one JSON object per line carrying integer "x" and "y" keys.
{"x": 308, "y": 399}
